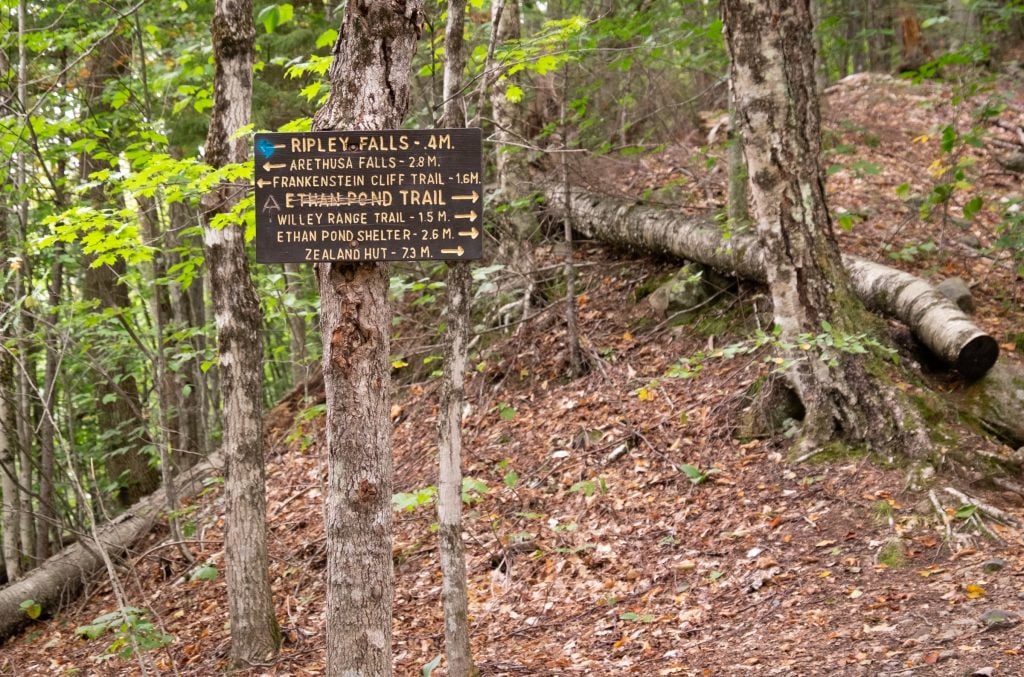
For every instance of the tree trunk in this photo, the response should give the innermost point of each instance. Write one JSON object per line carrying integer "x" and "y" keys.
{"x": 9, "y": 519}
{"x": 369, "y": 90}
{"x": 737, "y": 209}
{"x": 26, "y": 347}
{"x": 772, "y": 55}
{"x": 518, "y": 224}
{"x": 255, "y": 635}
{"x": 455, "y": 597}
{"x": 47, "y": 528}
{"x": 118, "y": 403}
{"x": 186, "y": 309}
{"x": 59, "y": 580}
{"x": 166, "y": 384}
{"x": 296, "y": 325}
{"x": 8, "y": 471}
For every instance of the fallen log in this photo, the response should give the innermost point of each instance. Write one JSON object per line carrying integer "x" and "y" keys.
{"x": 936, "y": 321}
{"x": 59, "y": 579}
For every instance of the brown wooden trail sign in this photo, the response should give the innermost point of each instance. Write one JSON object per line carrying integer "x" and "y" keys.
{"x": 391, "y": 195}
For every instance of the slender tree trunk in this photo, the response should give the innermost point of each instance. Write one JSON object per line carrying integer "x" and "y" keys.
{"x": 369, "y": 90}
{"x": 449, "y": 485}
{"x": 512, "y": 174}
{"x": 46, "y": 521}
{"x": 186, "y": 310}
{"x": 8, "y": 470}
{"x": 166, "y": 432}
{"x": 9, "y": 520}
{"x": 26, "y": 463}
{"x": 737, "y": 210}
{"x": 255, "y": 635}
{"x": 296, "y": 325}
{"x": 118, "y": 405}
{"x": 770, "y": 45}
{"x": 27, "y": 353}
{"x": 572, "y": 333}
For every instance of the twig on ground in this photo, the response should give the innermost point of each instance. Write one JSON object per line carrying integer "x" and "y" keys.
{"x": 990, "y": 510}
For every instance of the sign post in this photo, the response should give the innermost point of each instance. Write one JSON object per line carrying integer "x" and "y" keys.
{"x": 365, "y": 196}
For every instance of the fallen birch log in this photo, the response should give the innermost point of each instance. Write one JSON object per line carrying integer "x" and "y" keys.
{"x": 59, "y": 579}
{"x": 935, "y": 320}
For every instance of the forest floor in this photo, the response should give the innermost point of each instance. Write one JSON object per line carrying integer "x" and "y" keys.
{"x": 589, "y": 550}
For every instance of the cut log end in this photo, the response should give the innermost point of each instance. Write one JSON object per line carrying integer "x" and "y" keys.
{"x": 977, "y": 357}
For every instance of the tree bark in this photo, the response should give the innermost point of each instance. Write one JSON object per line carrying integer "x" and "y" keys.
{"x": 255, "y": 635}
{"x": 118, "y": 403}
{"x": 511, "y": 171}
{"x": 59, "y": 580}
{"x": 26, "y": 348}
{"x": 8, "y": 471}
{"x": 935, "y": 320}
{"x": 9, "y": 519}
{"x": 187, "y": 311}
{"x": 369, "y": 90}
{"x": 47, "y": 527}
{"x": 455, "y": 597}
{"x": 772, "y": 61}
{"x": 296, "y": 325}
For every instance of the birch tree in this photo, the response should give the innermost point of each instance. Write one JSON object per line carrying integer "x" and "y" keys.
{"x": 449, "y": 420}
{"x": 844, "y": 395}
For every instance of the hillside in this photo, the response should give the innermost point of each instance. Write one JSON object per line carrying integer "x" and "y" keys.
{"x": 590, "y": 548}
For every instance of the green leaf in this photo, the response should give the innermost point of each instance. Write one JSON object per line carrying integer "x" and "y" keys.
{"x": 31, "y": 608}
{"x": 511, "y": 478}
{"x": 972, "y": 207}
{"x": 514, "y": 94}
{"x": 585, "y": 487}
{"x": 506, "y": 411}
{"x": 285, "y": 13}
{"x": 204, "y": 573}
{"x": 327, "y": 38}
{"x": 429, "y": 668}
{"x": 270, "y": 16}
{"x": 695, "y": 475}
{"x": 472, "y": 489}
{"x": 966, "y": 511}
{"x": 91, "y": 631}
{"x": 949, "y": 137}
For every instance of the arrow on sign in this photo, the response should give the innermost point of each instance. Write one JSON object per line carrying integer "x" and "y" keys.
{"x": 473, "y": 198}
{"x": 267, "y": 166}
{"x": 471, "y": 216}
{"x": 458, "y": 251}
{"x": 262, "y": 183}
{"x": 471, "y": 233}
